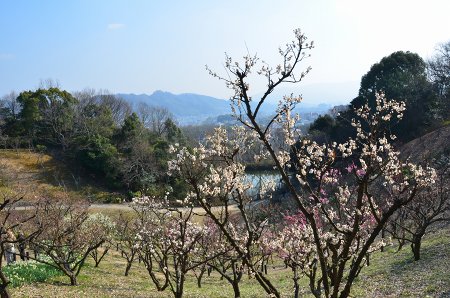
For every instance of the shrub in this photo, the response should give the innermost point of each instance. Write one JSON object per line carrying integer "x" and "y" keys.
{"x": 27, "y": 272}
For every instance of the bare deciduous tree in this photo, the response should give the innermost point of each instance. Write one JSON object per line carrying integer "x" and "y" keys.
{"x": 153, "y": 117}
{"x": 439, "y": 73}
{"x": 68, "y": 236}
{"x": 120, "y": 109}
{"x": 9, "y": 102}
{"x": 10, "y": 220}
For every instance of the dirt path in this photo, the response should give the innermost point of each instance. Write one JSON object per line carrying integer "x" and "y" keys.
{"x": 126, "y": 207}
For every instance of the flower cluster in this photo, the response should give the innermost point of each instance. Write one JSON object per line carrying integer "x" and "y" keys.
{"x": 216, "y": 168}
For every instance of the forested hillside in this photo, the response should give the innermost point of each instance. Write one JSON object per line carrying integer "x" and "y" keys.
{"x": 96, "y": 136}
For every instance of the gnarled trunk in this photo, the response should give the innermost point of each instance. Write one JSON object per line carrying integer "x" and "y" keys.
{"x": 73, "y": 280}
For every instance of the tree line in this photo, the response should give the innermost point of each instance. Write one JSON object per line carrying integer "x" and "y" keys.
{"x": 97, "y": 134}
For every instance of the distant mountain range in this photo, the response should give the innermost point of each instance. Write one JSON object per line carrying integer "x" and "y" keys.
{"x": 190, "y": 108}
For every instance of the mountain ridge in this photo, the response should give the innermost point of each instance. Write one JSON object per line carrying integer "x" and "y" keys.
{"x": 193, "y": 108}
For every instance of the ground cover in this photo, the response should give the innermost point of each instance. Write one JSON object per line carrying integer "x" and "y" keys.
{"x": 390, "y": 274}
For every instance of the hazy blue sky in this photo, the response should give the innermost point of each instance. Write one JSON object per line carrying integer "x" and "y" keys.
{"x": 141, "y": 46}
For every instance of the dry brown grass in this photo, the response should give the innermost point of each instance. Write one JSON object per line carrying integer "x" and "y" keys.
{"x": 428, "y": 146}
{"x": 39, "y": 175}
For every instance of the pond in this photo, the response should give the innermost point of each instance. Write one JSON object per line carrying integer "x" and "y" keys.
{"x": 259, "y": 178}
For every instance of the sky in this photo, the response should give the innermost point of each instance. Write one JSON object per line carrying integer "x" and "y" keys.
{"x": 141, "y": 46}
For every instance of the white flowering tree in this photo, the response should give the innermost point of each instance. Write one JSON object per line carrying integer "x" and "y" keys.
{"x": 125, "y": 239}
{"x": 429, "y": 208}
{"x": 218, "y": 183}
{"x": 341, "y": 211}
{"x": 167, "y": 242}
{"x": 103, "y": 227}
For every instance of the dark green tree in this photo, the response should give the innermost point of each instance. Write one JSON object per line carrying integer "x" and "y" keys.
{"x": 401, "y": 76}
{"x": 131, "y": 130}
{"x": 100, "y": 157}
{"x": 324, "y": 123}
{"x": 47, "y": 116}
{"x": 173, "y": 132}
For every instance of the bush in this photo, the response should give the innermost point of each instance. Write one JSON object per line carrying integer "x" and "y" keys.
{"x": 27, "y": 272}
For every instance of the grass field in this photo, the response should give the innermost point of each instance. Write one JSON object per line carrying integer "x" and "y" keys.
{"x": 391, "y": 274}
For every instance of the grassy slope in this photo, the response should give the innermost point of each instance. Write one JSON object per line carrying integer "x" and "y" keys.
{"x": 428, "y": 145}
{"x": 391, "y": 274}
{"x": 34, "y": 174}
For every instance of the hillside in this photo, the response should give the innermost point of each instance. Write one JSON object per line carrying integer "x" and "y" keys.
{"x": 34, "y": 174}
{"x": 428, "y": 145}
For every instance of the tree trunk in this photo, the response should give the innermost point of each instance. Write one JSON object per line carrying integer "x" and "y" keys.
{"x": 415, "y": 246}
{"x": 127, "y": 269}
{"x": 199, "y": 278}
{"x": 98, "y": 257}
{"x": 267, "y": 285}
{"x": 73, "y": 280}
{"x": 179, "y": 289}
{"x": 178, "y": 294}
{"x": 237, "y": 291}
{"x": 3, "y": 291}
{"x": 296, "y": 288}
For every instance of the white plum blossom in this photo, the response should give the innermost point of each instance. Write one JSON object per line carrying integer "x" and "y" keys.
{"x": 167, "y": 241}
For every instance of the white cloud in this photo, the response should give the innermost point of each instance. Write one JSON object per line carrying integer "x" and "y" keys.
{"x": 115, "y": 26}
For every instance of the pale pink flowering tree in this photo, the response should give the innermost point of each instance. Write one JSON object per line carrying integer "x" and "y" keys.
{"x": 125, "y": 239}
{"x": 295, "y": 246}
{"x": 103, "y": 227}
{"x": 221, "y": 256}
{"x": 342, "y": 212}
